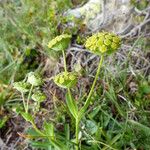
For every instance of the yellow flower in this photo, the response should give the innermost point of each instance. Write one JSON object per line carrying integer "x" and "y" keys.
{"x": 59, "y": 42}
{"x": 66, "y": 79}
{"x": 103, "y": 42}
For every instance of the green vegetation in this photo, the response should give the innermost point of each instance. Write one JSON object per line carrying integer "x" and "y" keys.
{"x": 110, "y": 112}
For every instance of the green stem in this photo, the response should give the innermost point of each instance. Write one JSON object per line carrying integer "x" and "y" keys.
{"x": 29, "y": 98}
{"x": 88, "y": 100}
{"x": 64, "y": 59}
{"x": 38, "y": 106}
{"x": 77, "y": 134}
{"x": 69, "y": 92}
{"x": 24, "y": 104}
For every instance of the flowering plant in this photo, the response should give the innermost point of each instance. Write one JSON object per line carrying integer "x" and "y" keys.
{"x": 101, "y": 44}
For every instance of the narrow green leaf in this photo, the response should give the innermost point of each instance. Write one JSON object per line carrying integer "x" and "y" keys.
{"x": 117, "y": 137}
{"x": 27, "y": 116}
{"x": 49, "y": 129}
{"x": 94, "y": 112}
{"x": 59, "y": 145}
{"x": 3, "y": 121}
{"x": 138, "y": 125}
{"x": 33, "y": 133}
{"x": 112, "y": 96}
{"x": 67, "y": 134}
{"x": 40, "y": 145}
{"x": 71, "y": 104}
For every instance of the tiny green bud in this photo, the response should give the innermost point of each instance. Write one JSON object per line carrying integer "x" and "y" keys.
{"x": 72, "y": 77}
{"x": 113, "y": 45}
{"x": 61, "y": 79}
{"x": 103, "y": 49}
{"x": 108, "y": 36}
{"x": 116, "y": 39}
{"x": 34, "y": 79}
{"x": 107, "y": 42}
{"x": 22, "y": 86}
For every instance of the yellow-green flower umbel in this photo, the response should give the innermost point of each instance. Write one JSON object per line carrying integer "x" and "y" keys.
{"x": 66, "y": 79}
{"x": 103, "y": 42}
{"x": 34, "y": 79}
{"x": 21, "y": 86}
{"x": 59, "y": 42}
{"x": 38, "y": 96}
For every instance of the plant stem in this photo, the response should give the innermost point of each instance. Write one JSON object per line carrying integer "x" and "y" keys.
{"x": 64, "y": 59}
{"x": 88, "y": 100}
{"x": 24, "y": 104}
{"x": 77, "y": 134}
{"x": 38, "y": 106}
{"x": 29, "y": 98}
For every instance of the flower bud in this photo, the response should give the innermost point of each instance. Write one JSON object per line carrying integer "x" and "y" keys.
{"x": 66, "y": 79}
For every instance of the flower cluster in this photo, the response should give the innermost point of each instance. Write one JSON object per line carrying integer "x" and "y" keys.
{"x": 39, "y": 96}
{"x": 103, "y": 42}
{"x": 59, "y": 42}
{"x": 66, "y": 79}
{"x": 34, "y": 79}
{"x": 21, "y": 86}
